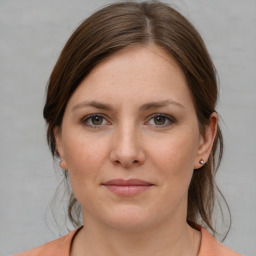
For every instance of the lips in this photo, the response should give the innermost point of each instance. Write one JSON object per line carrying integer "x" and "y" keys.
{"x": 131, "y": 182}
{"x": 129, "y": 187}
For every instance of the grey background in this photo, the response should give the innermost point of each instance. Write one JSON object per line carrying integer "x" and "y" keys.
{"x": 32, "y": 33}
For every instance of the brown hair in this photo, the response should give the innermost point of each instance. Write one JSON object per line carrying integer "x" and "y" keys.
{"x": 116, "y": 27}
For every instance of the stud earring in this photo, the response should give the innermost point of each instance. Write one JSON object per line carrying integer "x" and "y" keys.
{"x": 201, "y": 161}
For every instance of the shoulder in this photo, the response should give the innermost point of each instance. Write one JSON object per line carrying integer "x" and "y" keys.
{"x": 58, "y": 247}
{"x": 211, "y": 247}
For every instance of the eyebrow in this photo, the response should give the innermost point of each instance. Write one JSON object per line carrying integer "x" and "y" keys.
{"x": 146, "y": 106}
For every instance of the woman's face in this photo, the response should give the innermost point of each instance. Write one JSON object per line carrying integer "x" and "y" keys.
{"x": 130, "y": 141}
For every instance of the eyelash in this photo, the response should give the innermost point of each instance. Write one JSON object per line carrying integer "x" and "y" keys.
{"x": 168, "y": 118}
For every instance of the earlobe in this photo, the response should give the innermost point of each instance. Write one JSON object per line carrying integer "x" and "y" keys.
{"x": 59, "y": 147}
{"x": 206, "y": 141}
{"x": 63, "y": 165}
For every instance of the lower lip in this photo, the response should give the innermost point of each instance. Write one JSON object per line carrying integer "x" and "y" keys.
{"x": 131, "y": 190}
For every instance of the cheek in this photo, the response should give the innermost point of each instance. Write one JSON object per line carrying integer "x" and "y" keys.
{"x": 174, "y": 160}
{"x": 177, "y": 152}
{"x": 85, "y": 157}
{"x": 83, "y": 152}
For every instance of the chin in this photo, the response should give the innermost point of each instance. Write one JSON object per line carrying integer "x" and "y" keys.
{"x": 129, "y": 219}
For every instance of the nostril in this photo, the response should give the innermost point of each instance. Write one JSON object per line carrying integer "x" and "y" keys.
{"x": 127, "y": 158}
{"x": 126, "y": 164}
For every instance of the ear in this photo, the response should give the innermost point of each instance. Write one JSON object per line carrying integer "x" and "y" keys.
{"x": 206, "y": 141}
{"x": 59, "y": 146}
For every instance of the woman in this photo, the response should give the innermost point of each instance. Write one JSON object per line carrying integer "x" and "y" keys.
{"x": 131, "y": 114}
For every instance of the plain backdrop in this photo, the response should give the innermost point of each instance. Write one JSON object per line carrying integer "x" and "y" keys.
{"x": 32, "y": 34}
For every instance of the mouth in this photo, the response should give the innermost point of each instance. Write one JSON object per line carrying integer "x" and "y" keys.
{"x": 129, "y": 187}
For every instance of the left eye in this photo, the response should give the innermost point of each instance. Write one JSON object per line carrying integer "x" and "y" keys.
{"x": 161, "y": 120}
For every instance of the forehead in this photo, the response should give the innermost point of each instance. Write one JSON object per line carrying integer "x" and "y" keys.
{"x": 141, "y": 73}
{"x": 139, "y": 59}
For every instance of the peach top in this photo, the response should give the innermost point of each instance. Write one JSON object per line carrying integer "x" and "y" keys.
{"x": 61, "y": 247}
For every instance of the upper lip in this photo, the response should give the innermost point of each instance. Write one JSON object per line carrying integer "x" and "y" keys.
{"x": 130, "y": 182}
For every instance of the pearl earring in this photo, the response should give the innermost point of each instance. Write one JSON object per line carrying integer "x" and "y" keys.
{"x": 201, "y": 161}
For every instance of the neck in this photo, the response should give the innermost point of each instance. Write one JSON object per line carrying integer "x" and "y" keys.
{"x": 177, "y": 239}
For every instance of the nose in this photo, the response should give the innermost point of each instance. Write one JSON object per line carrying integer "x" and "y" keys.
{"x": 127, "y": 150}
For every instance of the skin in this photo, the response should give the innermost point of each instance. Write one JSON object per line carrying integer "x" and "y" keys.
{"x": 128, "y": 142}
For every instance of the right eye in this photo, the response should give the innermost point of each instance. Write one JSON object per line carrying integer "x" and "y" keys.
{"x": 94, "y": 120}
